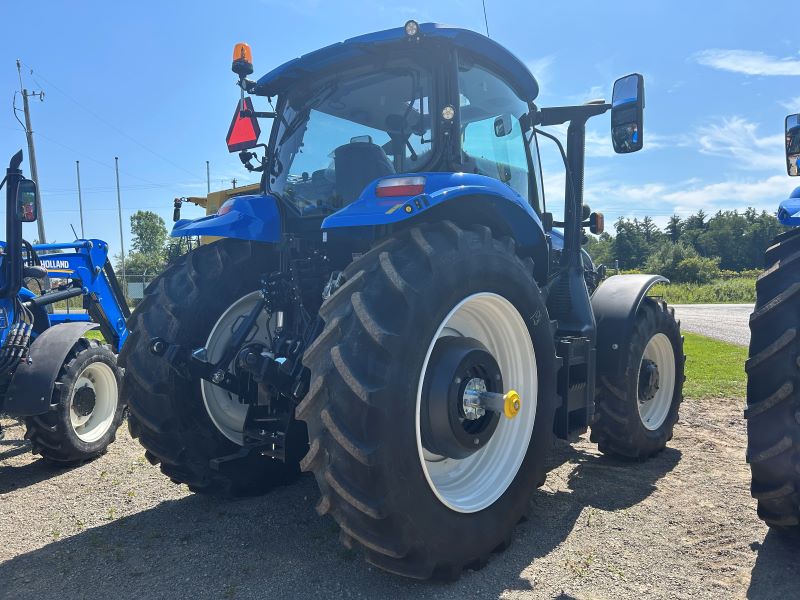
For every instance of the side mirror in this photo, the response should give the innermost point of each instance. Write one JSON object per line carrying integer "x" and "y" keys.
{"x": 793, "y": 145}
{"x": 26, "y": 201}
{"x": 627, "y": 114}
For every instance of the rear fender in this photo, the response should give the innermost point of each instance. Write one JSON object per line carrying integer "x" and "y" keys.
{"x": 32, "y": 384}
{"x": 615, "y": 304}
{"x": 461, "y": 197}
{"x": 254, "y": 218}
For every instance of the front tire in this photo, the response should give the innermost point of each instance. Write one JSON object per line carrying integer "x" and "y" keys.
{"x": 370, "y": 458}
{"x": 85, "y": 409}
{"x": 637, "y": 406}
{"x": 773, "y": 387}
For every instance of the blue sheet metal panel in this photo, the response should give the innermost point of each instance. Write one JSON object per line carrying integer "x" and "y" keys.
{"x": 280, "y": 78}
{"x": 789, "y": 209}
{"x": 87, "y": 264}
{"x": 369, "y": 209}
{"x": 244, "y": 217}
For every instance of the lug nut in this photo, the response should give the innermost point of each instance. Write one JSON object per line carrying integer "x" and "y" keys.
{"x": 218, "y": 376}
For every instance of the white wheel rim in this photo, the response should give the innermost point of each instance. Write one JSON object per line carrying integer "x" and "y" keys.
{"x": 101, "y": 379}
{"x": 223, "y": 407}
{"x": 473, "y": 483}
{"x": 654, "y": 411}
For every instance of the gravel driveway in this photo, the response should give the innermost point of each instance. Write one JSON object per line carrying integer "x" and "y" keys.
{"x": 681, "y": 525}
{"x": 726, "y": 322}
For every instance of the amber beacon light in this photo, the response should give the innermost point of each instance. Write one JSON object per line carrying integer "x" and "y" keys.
{"x": 242, "y": 60}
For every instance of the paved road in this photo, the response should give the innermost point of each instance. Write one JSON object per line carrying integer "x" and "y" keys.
{"x": 726, "y": 322}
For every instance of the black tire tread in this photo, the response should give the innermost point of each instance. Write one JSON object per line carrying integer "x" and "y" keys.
{"x": 616, "y": 427}
{"x": 773, "y": 387}
{"x": 174, "y": 429}
{"x": 350, "y": 484}
{"x": 47, "y": 433}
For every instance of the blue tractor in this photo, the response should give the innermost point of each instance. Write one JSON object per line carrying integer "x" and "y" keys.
{"x": 64, "y": 385}
{"x": 773, "y": 370}
{"x": 397, "y": 311}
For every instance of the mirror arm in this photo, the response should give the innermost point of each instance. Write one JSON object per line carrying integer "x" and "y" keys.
{"x": 557, "y": 115}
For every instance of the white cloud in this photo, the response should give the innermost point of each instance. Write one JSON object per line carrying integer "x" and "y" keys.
{"x": 738, "y": 139}
{"x": 540, "y": 67}
{"x": 759, "y": 193}
{"x": 749, "y": 62}
{"x": 792, "y": 105}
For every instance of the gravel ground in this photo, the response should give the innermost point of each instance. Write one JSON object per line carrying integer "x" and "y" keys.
{"x": 681, "y": 525}
{"x": 727, "y": 322}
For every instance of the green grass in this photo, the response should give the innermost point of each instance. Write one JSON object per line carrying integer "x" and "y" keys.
{"x": 736, "y": 290}
{"x": 94, "y": 334}
{"x": 714, "y": 369}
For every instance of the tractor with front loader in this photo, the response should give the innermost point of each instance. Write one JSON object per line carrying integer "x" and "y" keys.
{"x": 61, "y": 383}
{"x": 773, "y": 365}
{"x": 394, "y": 311}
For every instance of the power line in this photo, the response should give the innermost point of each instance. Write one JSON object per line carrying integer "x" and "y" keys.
{"x": 108, "y": 123}
{"x": 99, "y": 162}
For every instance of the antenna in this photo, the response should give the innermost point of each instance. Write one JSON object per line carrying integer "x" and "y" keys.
{"x": 485, "y": 19}
{"x": 75, "y": 233}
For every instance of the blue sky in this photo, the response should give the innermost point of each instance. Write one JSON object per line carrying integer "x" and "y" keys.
{"x": 150, "y": 82}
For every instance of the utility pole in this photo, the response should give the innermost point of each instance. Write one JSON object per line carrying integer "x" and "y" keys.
{"x": 32, "y": 152}
{"x": 119, "y": 210}
{"x": 80, "y": 200}
{"x": 208, "y": 178}
{"x": 233, "y": 181}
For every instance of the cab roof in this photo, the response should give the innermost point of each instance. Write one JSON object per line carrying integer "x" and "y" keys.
{"x": 282, "y": 77}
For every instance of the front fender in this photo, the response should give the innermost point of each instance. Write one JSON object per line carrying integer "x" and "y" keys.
{"x": 254, "y": 218}
{"x": 32, "y": 385}
{"x": 615, "y": 304}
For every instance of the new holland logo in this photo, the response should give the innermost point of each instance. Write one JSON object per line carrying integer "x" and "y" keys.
{"x": 55, "y": 264}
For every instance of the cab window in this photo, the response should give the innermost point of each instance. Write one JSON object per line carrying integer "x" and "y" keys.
{"x": 492, "y": 140}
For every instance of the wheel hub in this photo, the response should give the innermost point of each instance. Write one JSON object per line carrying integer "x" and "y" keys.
{"x": 451, "y": 427}
{"x": 83, "y": 402}
{"x": 648, "y": 380}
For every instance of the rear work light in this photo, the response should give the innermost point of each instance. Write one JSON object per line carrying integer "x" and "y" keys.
{"x": 400, "y": 186}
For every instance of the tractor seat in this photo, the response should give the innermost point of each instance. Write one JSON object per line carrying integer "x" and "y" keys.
{"x": 34, "y": 272}
{"x": 357, "y": 164}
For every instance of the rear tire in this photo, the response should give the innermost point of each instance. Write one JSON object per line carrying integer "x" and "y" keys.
{"x": 167, "y": 412}
{"x": 626, "y": 422}
{"x": 773, "y": 387}
{"x": 85, "y": 409}
{"x": 363, "y": 406}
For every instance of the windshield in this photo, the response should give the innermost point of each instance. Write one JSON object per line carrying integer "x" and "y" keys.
{"x": 332, "y": 142}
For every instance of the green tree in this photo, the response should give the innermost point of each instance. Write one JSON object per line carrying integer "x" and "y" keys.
{"x": 674, "y": 228}
{"x": 601, "y": 249}
{"x": 681, "y": 263}
{"x": 149, "y": 233}
{"x": 148, "y": 245}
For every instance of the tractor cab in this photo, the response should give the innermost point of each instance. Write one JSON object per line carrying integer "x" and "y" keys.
{"x": 414, "y": 100}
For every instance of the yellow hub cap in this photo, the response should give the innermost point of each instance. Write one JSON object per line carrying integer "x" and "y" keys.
{"x": 511, "y": 404}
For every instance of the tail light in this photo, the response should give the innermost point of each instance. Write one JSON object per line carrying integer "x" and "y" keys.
{"x": 400, "y": 186}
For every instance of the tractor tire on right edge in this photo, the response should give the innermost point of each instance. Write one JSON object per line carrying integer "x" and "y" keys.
{"x": 412, "y": 491}
{"x": 773, "y": 386}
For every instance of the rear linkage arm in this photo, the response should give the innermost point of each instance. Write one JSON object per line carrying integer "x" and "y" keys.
{"x": 252, "y": 359}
